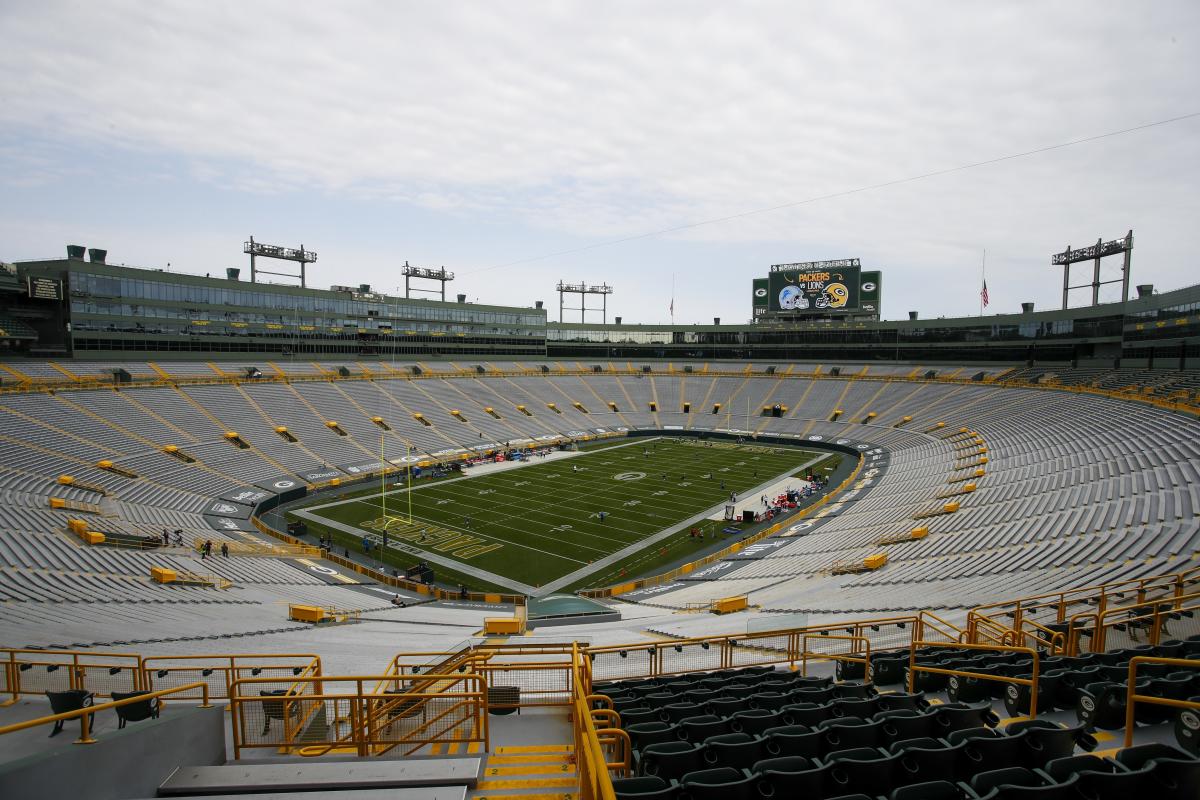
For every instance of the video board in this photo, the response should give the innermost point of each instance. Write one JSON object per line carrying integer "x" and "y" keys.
{"x": 815, "y": 287}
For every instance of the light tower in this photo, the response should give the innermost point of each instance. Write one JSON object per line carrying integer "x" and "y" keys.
{"x": 1099, "y": 250}
{"x": 259, "y": 250}
{"x": 583, "y": 290}
{"x": 425, "y": 274}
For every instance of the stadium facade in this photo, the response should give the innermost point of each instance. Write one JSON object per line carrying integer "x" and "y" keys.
{"x": 89, "y": 309}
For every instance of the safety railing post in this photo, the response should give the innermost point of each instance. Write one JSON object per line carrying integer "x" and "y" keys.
{"x": 237, "y": 724}
{"x": 481, "y": 715}
{"x": 362, "y": 726}
{"x": 1035, "y": 676}
{"x": 1132, "y": 697}
{"x": 85, "y": 730}
{"x": 12, "y": 680}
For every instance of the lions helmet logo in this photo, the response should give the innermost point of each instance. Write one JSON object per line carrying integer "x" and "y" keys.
{"x": 838, "y": 294}
{"x": 789, "y": 296}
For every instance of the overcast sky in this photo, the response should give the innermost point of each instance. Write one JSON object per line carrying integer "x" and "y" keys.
{"x": 512, "y": 142}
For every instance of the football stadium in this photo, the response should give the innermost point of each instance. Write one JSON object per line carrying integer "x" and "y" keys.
{"x": 683, "y": 568}
{"x": 267, "y": 536}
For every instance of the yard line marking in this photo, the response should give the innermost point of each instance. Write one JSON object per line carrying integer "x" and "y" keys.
{"x": 596, "y": 492}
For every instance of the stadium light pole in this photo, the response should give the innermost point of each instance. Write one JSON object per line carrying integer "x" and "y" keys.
{"x": 383, "y": 477}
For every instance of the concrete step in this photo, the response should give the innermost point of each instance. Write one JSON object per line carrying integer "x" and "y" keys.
{"x": 314, "y": 776}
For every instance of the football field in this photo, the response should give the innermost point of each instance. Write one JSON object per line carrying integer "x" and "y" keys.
{"x": 551, "y": 523}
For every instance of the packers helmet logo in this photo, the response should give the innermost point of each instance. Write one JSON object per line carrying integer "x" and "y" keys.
{"x": 760, "y": 292}
{"x": 838, "y": 294}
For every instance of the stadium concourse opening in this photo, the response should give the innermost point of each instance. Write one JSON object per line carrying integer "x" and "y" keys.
{"x": 579, "y": 519}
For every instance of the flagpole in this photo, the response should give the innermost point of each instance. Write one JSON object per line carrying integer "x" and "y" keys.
{"x": 982, "y": 280}
{"x": 672, "y": 298}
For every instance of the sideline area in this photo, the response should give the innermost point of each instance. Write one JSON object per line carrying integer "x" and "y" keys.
{"x": 586, "y": 520}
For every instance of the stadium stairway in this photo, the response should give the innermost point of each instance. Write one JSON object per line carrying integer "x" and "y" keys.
{"x": 528, "y": 772}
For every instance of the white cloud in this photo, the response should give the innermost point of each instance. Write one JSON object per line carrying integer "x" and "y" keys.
{"x": 582, "y": 121}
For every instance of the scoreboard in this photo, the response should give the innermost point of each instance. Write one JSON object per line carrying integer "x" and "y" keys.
{"x": 813, "y": 287}
{"x": 818, "y": 289}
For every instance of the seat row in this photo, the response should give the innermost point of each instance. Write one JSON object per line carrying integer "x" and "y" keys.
{"x": 739, "y": 741}
{"x": 976, "y": 765}
{"x": 644, "y": 685}
{"x": 735, "y": 697}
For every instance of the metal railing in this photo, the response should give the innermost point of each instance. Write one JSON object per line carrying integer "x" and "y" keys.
{"x": 1151, "y": 616}
{"x": 347, "y": 713}
{"x": 591, "y": 759}
{"x": 1132, "y": 697}
{"x": 34, "y": 672}
{"x": 931, "y": 627}
{"x": 858, "y": 644}
{"x": 266, "y": 549}
{"x": 1046, "y": 620}
{"x": 790, "y": 646}
{"x": 219, "y": 672}
{"x": 1031, "y": 682}
{"x": 84, "y": 715}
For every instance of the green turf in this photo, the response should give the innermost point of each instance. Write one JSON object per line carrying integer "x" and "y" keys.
{"x": 541, "y": 521}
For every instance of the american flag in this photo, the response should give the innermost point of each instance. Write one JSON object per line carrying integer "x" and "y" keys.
{"x": 983, "y": 295}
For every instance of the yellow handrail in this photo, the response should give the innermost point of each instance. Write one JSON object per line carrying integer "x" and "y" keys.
{"x": 865, "y": 659}
{"x": 368, "y": 713}
{"x": 77, "y": 669}
{"x": 1153, "y": 617}
{"x": 592, "y": 765}
{"x": 927, "y": 619}
{"x": 85, "y": 714}
{"x": 231, "y": 666}
{"x": 1031, "y": 682}
{"x": 1131, "y": 695}
{"x": 1096, "y": 597}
